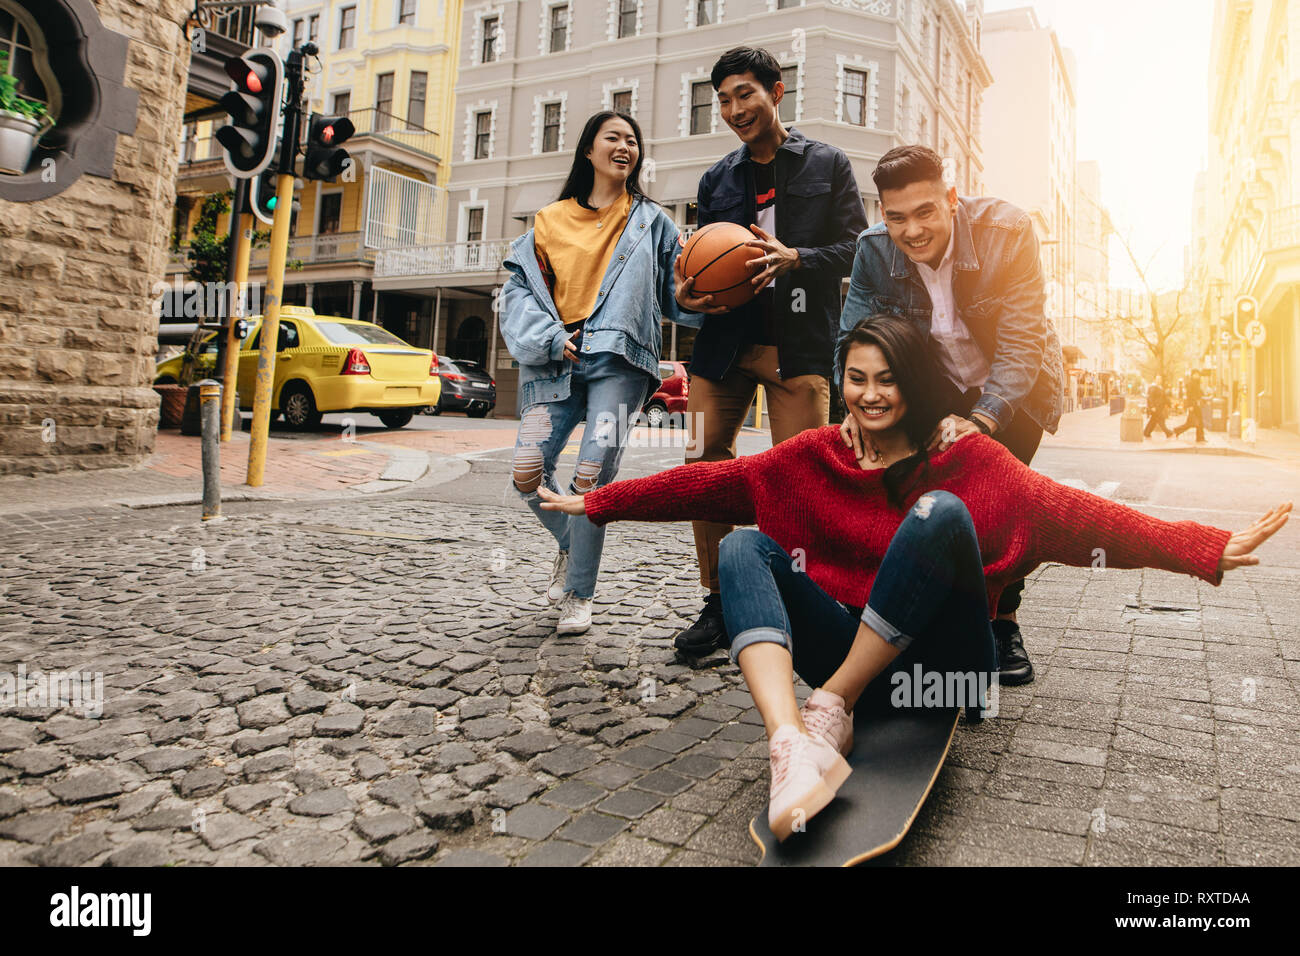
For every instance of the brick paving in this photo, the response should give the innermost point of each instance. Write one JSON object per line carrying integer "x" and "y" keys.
{"x": 379, "y": 681}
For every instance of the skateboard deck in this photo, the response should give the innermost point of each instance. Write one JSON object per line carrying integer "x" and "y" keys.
{"x": 897, "y": 755}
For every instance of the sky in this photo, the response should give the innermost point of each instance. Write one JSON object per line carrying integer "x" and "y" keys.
{"x": 1142, "y": 111}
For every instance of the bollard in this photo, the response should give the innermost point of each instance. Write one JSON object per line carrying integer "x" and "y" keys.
{"x": 210, "y": 414}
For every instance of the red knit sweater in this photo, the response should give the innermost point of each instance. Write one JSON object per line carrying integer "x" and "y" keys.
{"x": 809, "y": 492}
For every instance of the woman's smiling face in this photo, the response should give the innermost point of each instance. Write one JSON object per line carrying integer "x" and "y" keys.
{"x": 871, "y": 394}
{"x": 615, "y": 151}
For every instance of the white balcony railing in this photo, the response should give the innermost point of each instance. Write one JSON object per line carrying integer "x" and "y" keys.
{"x": 442, "y": 258}
{"x": 326, "y": 247}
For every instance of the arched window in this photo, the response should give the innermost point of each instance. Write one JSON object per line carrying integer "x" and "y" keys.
{"x": 22, "y": 41}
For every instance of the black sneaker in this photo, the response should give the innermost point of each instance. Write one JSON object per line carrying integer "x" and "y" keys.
{"x": 1013, "y": 663}
{"x": 708, "y": 632}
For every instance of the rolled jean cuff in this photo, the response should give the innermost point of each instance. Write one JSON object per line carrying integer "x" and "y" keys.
{"x": 758, "y": 635}
{"x": 891, "y": 634}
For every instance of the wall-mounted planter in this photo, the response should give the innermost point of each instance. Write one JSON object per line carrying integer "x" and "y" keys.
{"x": 18, "y": 136}
{"x": 90, "y": 65}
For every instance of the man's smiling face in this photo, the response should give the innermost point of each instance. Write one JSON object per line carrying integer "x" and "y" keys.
{"x": 919, "y": 219}
{"x": 747, "y": 107}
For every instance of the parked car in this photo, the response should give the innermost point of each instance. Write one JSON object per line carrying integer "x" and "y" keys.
{"x": 326, "y": 363}
{"x": 670, "y": 398}
{"x": 466, "y": 387}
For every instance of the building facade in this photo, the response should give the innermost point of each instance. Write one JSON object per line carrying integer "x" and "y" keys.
{"x": 390, "y": 67}
{"x": 84, "y": 229}
{"x": 1250, "y": 242}
{"x": 864, "y": 75}
{"x": 1029, "y": 151}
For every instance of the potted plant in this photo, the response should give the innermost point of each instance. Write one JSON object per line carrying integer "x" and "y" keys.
{"x": 22, "y": 122}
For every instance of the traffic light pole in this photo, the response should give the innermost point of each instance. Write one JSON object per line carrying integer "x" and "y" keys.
{"x": 237, "y": 278}
{"x": 270, "y": 334}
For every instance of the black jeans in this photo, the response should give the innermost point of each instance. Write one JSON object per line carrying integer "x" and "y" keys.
{"x": 1022, "y": 438}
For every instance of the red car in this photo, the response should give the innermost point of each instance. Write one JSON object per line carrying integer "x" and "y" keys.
{"x": 667, "y": 406}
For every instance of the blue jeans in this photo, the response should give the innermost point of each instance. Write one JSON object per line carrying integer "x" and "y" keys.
{"x": 609, "y": 391}
{"x": 928, "y": 599}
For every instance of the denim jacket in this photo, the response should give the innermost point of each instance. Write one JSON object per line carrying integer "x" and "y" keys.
{"x": 819, "y": 212}
{"x": 997, "y": 285}
{"x": 636, "y": 292}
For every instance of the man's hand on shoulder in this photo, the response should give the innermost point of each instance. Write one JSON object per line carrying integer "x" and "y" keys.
{"x": 951, "y": 429}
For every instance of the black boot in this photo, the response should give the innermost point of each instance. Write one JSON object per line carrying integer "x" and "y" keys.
{"x": 708, "y": 632}
{"x": 1013, "y": 663}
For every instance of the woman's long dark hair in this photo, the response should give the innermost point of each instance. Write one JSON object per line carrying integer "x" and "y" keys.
{"x": 582, "y": 175}
{"x": 920, "y": 381}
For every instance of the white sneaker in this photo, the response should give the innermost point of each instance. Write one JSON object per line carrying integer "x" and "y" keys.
{"x": 555, "y": 593}
{"x": 575, "y": 615}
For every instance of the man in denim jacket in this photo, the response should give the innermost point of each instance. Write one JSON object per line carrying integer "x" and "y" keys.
{"x": 801, "y": 201}
{"x": 968, "y": 272}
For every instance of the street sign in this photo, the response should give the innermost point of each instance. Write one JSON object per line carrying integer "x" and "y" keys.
{"x": 1255, "y": 333}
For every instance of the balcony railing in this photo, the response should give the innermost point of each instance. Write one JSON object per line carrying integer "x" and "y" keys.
{"x": 378, "y": 123}
{"x": 442, "y": 258}
{"x": 1284, "y": 227}
{"x": 313, "y": 250}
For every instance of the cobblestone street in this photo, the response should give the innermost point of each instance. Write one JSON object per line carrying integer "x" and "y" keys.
{"x": 379, "y": 680}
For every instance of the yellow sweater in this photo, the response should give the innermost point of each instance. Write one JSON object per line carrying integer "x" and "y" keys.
{"x": 574, "y": 246}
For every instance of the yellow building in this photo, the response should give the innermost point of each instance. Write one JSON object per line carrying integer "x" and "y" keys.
{"x": 390, "y": 67}
{"x": 1247, "y": 237}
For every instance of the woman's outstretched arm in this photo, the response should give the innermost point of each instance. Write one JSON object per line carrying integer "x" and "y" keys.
{"x": 703, "y": 491}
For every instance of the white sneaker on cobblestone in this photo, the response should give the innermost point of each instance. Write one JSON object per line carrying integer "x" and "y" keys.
{"x": 575, "y": 615}
{"x": 555, "y": 594}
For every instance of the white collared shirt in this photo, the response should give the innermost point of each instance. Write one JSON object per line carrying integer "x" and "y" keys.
{"x": 958, "y": 352}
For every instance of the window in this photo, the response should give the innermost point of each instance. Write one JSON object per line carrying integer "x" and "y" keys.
{"x": 474, "y": 225}
{"x": 701, "y": 108}
{"x": 627, "y": 10}
{"x": 491, "y": 28}
{"x": 559, "y": 28}
{"x": 406, "y": 15}
{"x": 855, "y": 97}
{"x": 383, "y": 102}
{"x": 621, "y": 102}
{"x": 790, "y": 99}
{"x": 787, "y": 4}
{"x": 347, "y": 27}
{"x": 297, "y": 33}
{"x": 482, "y": 135}
{"x": 313, "y": 27}
{"x": 331, "y": 213}
{"x": 342, "y": 104}
{"x": 706, "y": 12}
{"x": 550, "y": 127}
{"x": 692, "y": 214}
{"x": 21, "y": 51}
{"x": 415, "y": 106}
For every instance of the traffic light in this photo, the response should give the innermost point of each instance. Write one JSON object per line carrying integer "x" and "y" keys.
{"x": 1243, "y": 313}
{"x": 324, "y": 159}
{"x": 254, "y": 108}
{"x": 262, "y": 196}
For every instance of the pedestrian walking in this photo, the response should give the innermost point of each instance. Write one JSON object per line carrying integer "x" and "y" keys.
{"x": 581, "y": 313}
{"x": 1157, "y": 409}
{"x": 1195, "y": 411}
{"x": 863, "y": 566}
{"x": 967, "y": 272}
{"x": 799, "y": 198}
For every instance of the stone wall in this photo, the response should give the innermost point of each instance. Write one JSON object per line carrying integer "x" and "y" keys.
{"x": 77, "y": 329}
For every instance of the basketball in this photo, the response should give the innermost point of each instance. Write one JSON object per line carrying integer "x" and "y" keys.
{"x": 716, "y": 255}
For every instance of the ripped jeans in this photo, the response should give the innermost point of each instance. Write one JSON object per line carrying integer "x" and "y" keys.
{"x": 609, "y": 391}
{"x": 928, "y": 598}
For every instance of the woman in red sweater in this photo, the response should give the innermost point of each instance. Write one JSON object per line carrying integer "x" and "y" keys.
{"x": 917, "y": 546}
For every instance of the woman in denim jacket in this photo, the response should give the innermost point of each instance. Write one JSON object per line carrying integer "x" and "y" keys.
{"x": 581, "y": 314}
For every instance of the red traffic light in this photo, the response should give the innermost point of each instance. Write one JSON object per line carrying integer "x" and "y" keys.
{"x": 248, "y": 75}
{"x": 327, "y": 134}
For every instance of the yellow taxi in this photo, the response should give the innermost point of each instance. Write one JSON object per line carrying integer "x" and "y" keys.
{"x": 326, "y": 363}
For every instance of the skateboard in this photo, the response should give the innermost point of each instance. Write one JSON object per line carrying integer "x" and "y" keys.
{"x": 897, "y": 755}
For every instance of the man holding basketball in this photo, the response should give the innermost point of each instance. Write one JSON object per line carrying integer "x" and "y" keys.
{"x": 967, "y": 272}
{"x": 799, "y": 199}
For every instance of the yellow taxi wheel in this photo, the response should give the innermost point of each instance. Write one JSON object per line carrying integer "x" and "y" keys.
{"x": 298, "y": 406}
{"x": 397, "y": 418}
